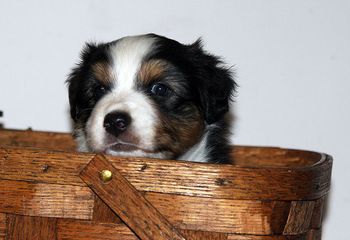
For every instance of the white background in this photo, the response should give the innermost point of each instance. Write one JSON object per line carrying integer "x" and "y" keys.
{"x": 292, "y": 60}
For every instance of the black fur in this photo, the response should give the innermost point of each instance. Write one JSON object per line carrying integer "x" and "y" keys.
{"x": 82, "y": 87}
{"x": 211, "y": 83}
{"x": 212, "y": 88}
{"x": 199, "y": 80}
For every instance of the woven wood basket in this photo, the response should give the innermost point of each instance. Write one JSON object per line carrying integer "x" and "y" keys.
{"x": 48, "y": 191}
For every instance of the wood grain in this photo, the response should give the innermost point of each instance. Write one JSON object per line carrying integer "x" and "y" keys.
{"x": 269, "y": 191}
{"x": 226, "y": 181}
{"x": 314, "y": 234}
{"x": 87, "y": 230}
{"x": 31, "y": 228}
{"x": 205, "y": 214}
{"x": 243, "y": 155}
{"x": 273, "y": 237}
{"x": 299, "y": 218}
{"x": 2, "y": 226}
{"x": 200, "y": 235}
{"x": 68, "y": 229}
{"x": 37, "y": 139}
{"x": 217, "y": 215}
{"x": 103, "y": 213}
{"x": 128, "y": 203}
{"x": 279, "y": 216}
{"x": 42, "y": 165}
{"x": 175, "y": 177}
{"x": 46, "y": 200}
{"x": 316, "y": 220}
{"x": 24, "y": 227}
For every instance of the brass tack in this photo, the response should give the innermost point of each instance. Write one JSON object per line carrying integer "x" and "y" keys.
{"x": 106, "y": 175}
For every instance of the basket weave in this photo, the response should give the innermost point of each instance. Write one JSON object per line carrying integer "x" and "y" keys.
{"x": 270, "y": 193}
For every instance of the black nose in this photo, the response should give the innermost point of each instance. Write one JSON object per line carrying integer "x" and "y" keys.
{"x": 116, "y": 122}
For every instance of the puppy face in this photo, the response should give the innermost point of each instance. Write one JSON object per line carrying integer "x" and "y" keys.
{"x": 146, "y": 96}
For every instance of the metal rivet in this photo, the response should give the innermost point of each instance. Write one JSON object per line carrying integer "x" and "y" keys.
{"x": 106, "y": 176}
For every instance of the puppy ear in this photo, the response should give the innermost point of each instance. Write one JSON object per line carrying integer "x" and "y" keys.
{"x": 77, "y": 77}
{"x": 215, "y": 83}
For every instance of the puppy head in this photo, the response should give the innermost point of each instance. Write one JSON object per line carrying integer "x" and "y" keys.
{"x": 146, "y": 96}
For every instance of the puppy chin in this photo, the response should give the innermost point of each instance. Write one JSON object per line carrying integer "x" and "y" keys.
{"x": 136, "y": 153}
{"x": 126, "y": 145}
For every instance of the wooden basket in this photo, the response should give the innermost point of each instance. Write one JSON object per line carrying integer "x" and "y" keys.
{"x": 48, "y": 191}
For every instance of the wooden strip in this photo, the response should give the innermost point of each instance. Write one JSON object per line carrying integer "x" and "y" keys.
{"x": 243, "y": 155}
{"x": 37, "y": 139}
{"x": 25, "y": 227}
{"x": 103, "y": 213}
{"x": 316, "y": 220}
{"x": 274, "y": 237}
{"x": 271, "y": 156}
{"x": 279, "y": 216}
{"x": 217, "y": 215}
{"x": 175, "y": 177}
{"x": 47, "y": 200}
{"x": 299, "y": 218}
{"x": 314, "y": 234}
{"x": 205, "y": 214}
{"x": 86, "y": 230}
{"x": 2, "y": 226}
{"x": 42, "y": 165}
{"x": 226, "y": 181}
{"x": 200, "y": 235}
{"x": 127, "y": 202}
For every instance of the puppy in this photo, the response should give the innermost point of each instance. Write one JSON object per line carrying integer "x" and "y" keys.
{"x": 151, "y": 96}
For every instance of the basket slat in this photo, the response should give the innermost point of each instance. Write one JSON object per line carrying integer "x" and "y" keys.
{"x": 24, "y": 227}
{"x": 65, "y": 201}
{"x": 316, "y": 221}
{"x": 269, "y": 194}
{"x": 299, "y": 218}
{"x": 47, "y": 140}
{"x": 103, "y": 213}
{"x": 47, "y": 200}
{"x": 243, "y": 155}
{"x": 2, "y": 226}
{"x": 197, "y": 213}
{"x": 138, "y": 213}
{"x": 87, "y": 230}
{"x": 175, "y": 177}
{"x": 201, "y": 235}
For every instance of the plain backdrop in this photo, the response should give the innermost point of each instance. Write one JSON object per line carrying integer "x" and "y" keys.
{"x": 292, "y": 60}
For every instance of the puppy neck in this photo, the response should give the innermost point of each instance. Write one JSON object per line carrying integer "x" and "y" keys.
{"x": 198, "y": 152}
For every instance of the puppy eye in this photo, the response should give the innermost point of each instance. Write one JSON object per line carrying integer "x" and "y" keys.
{"x": 159, "y": 89}
{"x": 100, "y": 91}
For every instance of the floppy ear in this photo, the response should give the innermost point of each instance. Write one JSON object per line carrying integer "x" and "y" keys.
{"x": 215, "y": 83}
{"x": 77, "y": 77}
{"x": 73, "y": 92}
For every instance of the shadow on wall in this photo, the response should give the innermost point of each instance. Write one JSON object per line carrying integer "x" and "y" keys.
{"x": 1, "y": 124}
{"x": 69, "y": 119}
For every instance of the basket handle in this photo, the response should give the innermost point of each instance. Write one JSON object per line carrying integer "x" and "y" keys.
{"x": 129, "y": 204}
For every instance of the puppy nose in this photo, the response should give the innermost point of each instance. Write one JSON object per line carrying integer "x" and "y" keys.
{"x": 116, "y": 122}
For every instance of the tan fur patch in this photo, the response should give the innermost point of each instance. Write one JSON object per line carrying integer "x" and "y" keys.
{"x": 176, "y": 135}
{"x": 151, "y": 70}
{"x": 102, "y": 72}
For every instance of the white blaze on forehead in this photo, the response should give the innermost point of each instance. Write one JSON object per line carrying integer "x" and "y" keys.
{"x": 135, "y": 104}
{"x": 127, "y": 55}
